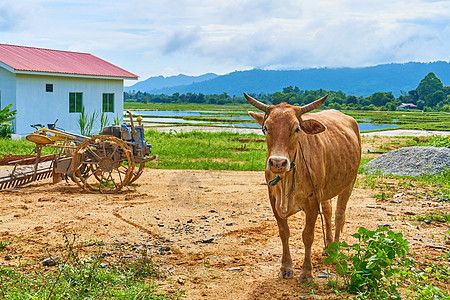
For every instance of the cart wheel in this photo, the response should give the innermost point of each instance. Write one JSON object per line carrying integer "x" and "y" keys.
{"x": 102, "y": 163}
{"x": 138, "y": 169}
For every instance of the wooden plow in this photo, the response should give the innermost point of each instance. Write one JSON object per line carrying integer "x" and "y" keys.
{"x": 104, "y": 163}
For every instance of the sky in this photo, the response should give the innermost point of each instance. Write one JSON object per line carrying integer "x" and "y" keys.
{"x": 193, "y": 37}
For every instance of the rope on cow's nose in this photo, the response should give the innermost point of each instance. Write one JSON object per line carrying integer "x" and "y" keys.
{"x": 275, "y": 180}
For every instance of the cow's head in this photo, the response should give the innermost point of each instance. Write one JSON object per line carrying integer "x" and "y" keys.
{"x": 282, "y": 125}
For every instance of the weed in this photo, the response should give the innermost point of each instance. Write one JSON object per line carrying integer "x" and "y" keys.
{"x": 76, "y": 277}
{"x": 373, "y": 267}
{"x": 104, "y": 121}
{"x": 86, "y": 122}
{"x": 437, "y": 215}
{"x": 420, "y": 286}
{"x": 382, "y": 196}
{"x": 4, "y": 244}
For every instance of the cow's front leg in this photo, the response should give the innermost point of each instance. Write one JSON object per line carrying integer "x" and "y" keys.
{"x": 311, "y": 212}
{"x": 286, "y": 270}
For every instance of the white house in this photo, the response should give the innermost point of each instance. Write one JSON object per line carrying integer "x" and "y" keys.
{"x": 44, "y": 85}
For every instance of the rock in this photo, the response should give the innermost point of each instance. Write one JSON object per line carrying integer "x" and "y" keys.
{"x": 234, "y": 269}
{"x": 437, "y": 247}
{"x": 427, "y": 221}
{"x": 164, "y": 248}
{"x": 181, "y": 279}
{"x": 104, "y": 266}
{"x": 396, "y": 201}
{"x": 327, "y": 272}
{"x": 208, "y": 240}
{"x": 229, "y": 224}
{"x": 50, "y": 261}
{"x": 385, "y": 225}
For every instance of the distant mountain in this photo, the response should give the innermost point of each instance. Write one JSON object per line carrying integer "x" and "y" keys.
{"x": 157, "y": 83}
{"x": 352, "y": 81}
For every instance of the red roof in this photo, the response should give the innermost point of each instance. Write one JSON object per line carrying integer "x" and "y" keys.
{"x": 55, "y": 61}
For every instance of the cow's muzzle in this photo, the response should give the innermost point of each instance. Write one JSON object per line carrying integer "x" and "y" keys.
{"x": 278, "y": 164}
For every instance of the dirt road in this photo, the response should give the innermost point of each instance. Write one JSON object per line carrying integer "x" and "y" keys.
{"x": 212, "y": 232}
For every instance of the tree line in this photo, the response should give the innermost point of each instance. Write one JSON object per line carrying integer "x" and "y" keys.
{"x": 430, "y": 95}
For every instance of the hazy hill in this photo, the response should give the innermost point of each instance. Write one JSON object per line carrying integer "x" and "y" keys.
{"x": 352, "y": 81}
{"x": 159, "y": 82}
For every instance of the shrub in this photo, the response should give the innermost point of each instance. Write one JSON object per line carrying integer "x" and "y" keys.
{"x": 6, "y": 118}
{"x": 372, "y": 266}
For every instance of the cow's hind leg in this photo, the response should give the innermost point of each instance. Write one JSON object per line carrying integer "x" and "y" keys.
{"x": 341, "y": 206}
{"x": 286, "y": 270}
{"x": 327, "y": 212}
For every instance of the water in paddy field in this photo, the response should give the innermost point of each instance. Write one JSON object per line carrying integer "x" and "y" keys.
{"x": 176, "y": 117}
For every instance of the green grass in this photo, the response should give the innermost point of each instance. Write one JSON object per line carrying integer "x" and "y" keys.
{"x": 9, "y": 146}
{"x": 437, "y": 215}
{"x": 186, "y": 150}
{"x": 442, "y": 141}
{"x": 84, "y": 276}
{"x": 406, "y": 120}
{"x": 207, "y": 151}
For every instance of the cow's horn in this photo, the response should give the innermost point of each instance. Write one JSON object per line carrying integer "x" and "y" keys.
{"x": 313, "y": 105}
{"x": 256, "y": 103}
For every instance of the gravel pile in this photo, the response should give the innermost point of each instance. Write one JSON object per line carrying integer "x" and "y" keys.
{"x": 411, "y": 161}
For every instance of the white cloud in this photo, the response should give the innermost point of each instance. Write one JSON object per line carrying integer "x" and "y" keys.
{"x": 198, "y": 36}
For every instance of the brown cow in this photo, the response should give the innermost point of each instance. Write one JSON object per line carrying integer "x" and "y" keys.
{"x": 332, "y": 151}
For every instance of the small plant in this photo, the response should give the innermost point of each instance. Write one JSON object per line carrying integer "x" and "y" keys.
{"x": 442, "y": 141}
{"x": 437, "y": 215}
{"x": 4, "y": 244}
{"x": 86, "y": 122}
{"x": 382, "y": 196}
{"x": 117, "y": 120}
{"x": 79, "y": 275}
{"x": 104, "y": 121}
{"x": 371, "y": 267}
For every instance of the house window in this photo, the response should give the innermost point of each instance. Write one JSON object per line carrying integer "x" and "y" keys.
{"x": 49, "y": 87}
{"x": 75, "y": 102}
{"x": 108, "y": 102}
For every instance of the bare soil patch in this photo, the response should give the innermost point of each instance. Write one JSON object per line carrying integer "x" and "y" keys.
{"x": 211, "y": 232}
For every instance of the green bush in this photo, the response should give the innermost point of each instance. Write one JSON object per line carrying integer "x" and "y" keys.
{"x": 6, "y": 118}
{"x": 371, "y": 267}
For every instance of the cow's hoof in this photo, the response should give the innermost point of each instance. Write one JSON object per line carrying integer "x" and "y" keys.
{"x": 286, "y": 274}
{"x": 304, "y": 279}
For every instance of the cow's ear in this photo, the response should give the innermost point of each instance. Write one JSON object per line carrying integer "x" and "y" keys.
{"x": 312, "y": 126}
{"x": 259, "y": 117}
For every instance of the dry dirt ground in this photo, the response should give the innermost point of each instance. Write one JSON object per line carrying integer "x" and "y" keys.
{"x": 211, "y": 232}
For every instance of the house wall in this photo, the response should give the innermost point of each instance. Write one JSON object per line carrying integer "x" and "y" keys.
{"x": 35, "y": 105}
{"x": 7, "y": 89}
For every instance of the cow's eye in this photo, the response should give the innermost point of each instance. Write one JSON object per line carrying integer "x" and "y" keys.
{"x": 297, "y": 130}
